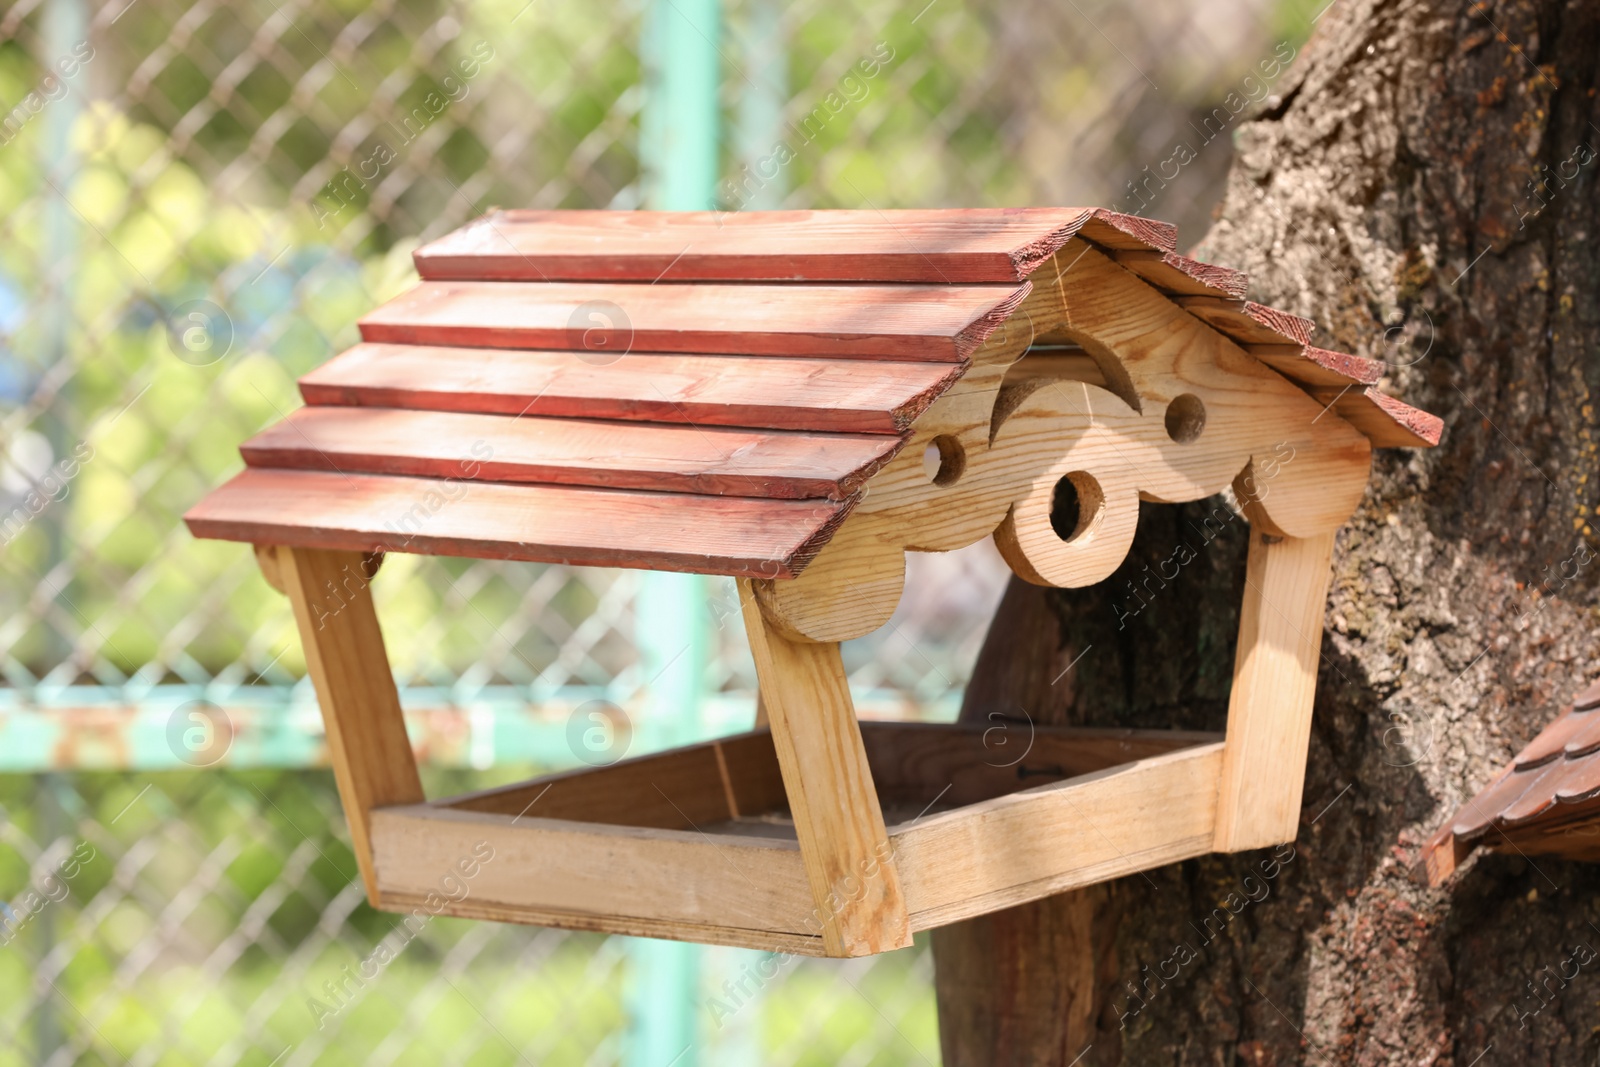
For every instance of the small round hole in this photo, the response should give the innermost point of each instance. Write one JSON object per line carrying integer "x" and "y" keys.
{"x": 1186, "y": 417}
{"x": 1065, "y": 509}
{"x": 944, "y": 460}
{"x": 1075, "y": 505}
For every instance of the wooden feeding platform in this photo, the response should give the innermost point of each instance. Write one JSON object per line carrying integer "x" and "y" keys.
{"x": 797, "y": 399}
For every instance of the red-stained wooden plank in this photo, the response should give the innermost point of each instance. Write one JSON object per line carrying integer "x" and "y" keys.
{"x": 546, "y": 524}
{"x": 923, "y": 322}
{"x": 842, "y": 396}
{"x": 946, "y": 247}
{"x": 1113, "y": 229}
{"x": 1182, "y": 276}
{"x": 1318, "y": 367}
{"x": 1248, "y": 322}
{"x": 1387, "y": 422}
{"x": 1358, "y": 369}
{"x": 531, "y": 449}
{"x": 1295, "y": 327}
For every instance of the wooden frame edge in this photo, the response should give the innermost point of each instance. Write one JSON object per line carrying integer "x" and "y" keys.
{"x": 1031, "y": 844}
{"x": 372, "y": 759}
{"x": 1274, "y": 688}
{"x": 844, "y": 844}
{"x": 731, "y": 936}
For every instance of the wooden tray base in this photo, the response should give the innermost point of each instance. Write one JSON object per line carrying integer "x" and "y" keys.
{"x": 696, "y": 844}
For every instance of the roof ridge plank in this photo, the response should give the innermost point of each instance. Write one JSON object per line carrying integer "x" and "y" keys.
{"x": 915, "y": 245}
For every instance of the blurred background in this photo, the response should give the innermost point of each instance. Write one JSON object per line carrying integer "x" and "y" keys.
{"x": 197, "y": 201}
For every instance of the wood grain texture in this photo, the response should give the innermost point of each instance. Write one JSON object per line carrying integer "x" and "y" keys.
{"x": 544, "y": 524}
{"x": 618, "y": 455}
{"x": 267, "y": 561}
{"x": 842, "y": 396}
{"x": 750, "y": 889}
{"x": 1066, "y": 364}
{"x": 1041, "y": 841}
{"x": 682, "y": 789}
{"x": 1115, "y": 230}
{"x": 372, "y": 759}
{"x": 1117, "y": 445}
{"x": 949, "y": 247}
{"x": 669, "y": 846}
{"x": 625, "y": 926}
{"x": 678, "y": 877}
{"x": 1180, "y": 275}
{"x": 938, "y": 766}
{"x": 1018, "y": 435}
{"x": 1388, "y": 422}
{"x": 1297, "y": 328}
{"x": 848, "y": 859}
{"x": 1248, "y": 322}
{"x": 1317, "y": 366}
{"x": 912, "y": 763}
{"x": 938, "y": 323}
{"x": 851, "y": 588}
{"x": 1274, "y": 686}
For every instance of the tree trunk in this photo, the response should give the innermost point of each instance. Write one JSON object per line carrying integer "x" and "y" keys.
{"x": 1425, "y": 189}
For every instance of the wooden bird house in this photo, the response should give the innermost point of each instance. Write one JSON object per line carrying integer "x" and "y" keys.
{"x": 797, "y": 399}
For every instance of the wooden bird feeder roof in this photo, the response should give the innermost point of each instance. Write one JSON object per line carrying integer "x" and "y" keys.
{"x": 1546, "y": 801}
{"x": 694, "y": 392}
{"x": 796, "y": 399}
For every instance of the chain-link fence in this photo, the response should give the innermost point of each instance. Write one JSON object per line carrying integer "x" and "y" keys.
{"x": 199, "y": 199}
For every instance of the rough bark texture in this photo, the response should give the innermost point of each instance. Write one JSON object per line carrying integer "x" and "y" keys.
{"x": 1398, "y": 195}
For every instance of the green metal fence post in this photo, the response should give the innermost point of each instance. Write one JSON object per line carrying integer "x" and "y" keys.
{"x": 758, "y": 183}
{"x": 66, "y": 23}
{"x": 678, "y": 155}
{"x": 678, "y": 128}
{"x": 663, "y": 998}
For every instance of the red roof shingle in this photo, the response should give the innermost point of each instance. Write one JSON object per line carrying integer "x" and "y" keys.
{"x": 1545, "y": 801}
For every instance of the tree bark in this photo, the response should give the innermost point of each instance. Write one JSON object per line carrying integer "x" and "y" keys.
{"x": 1425, "y": 188}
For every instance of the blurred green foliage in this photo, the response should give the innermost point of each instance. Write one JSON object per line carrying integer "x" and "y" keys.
{"x": 217, "y": 905}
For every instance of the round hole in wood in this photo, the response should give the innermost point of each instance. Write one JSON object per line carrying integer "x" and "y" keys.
{"x": 1186, "y": 417}
{"x": 1075, "y": 505}
{"x": 944, "y": 460}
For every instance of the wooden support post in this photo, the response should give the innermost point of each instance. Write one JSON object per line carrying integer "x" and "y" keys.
{"x": 372, "y": 758}
{"x": 1274, "y": 683}
{"x": 860, "y": 908}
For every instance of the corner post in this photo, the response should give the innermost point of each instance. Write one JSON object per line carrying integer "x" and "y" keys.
{"x": 372, "y": 758}
{"x": 849, "y": 863}
{"x": 1274, "y": 685}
